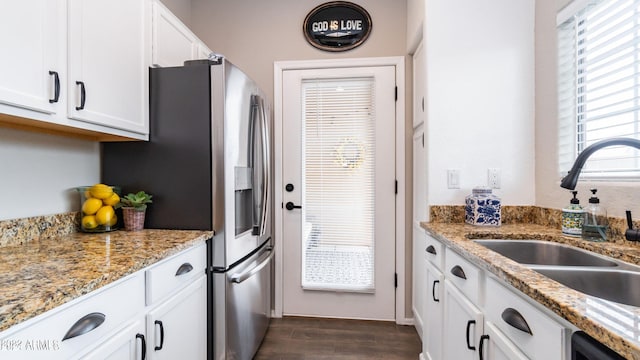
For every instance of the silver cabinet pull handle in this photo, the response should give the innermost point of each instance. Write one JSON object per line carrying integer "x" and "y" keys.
{"x": 84, "y": 325}
{"x": 514, "y": 318}
{"x": 457, "y": 271}
{"x": 184, "y": 268}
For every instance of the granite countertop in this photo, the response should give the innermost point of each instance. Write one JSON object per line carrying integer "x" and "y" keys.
{"x": 613, "y": 324}
{"x": 42, "y": 274}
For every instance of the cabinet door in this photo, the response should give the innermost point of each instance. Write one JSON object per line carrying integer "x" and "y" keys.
{"x": 177, "y": 328}
{"x": 173, "y": 42}
{"x": 433, "y": 313}
{"x": 419, "y": 88}
{"x": 108, "y": 63}
{"x": 202, "y": 51}
{"x": 419, "y": 274}
{"x": 419, "y": 177}
{"x": 29, "y": 34}
{"x": 126, "y": 344}
{"x": 463, "y": 325}
{"x": 496, "y": 346}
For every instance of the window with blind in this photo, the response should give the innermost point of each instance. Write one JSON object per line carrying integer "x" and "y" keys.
{"x": 338, "y": 185}
{"x": 599, "y": 85}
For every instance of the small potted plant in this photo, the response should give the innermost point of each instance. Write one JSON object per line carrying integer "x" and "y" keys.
{"x": 134, "y": 207}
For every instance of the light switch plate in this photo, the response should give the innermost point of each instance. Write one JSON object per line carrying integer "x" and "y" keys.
{"x": 453, "y": 178}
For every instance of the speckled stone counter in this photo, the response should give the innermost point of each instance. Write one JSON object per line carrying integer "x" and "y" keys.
{"x": 40, "y": 274}
{"x": 611, "y": 323}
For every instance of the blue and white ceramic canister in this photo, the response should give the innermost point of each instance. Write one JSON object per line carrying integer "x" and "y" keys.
{"x": 483, "y": 208}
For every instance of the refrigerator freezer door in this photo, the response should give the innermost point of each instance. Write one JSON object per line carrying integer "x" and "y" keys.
{"x": 241, "y": 325}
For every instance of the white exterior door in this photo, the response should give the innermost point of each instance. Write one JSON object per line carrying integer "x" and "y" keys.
{"x": 338, "y": 178}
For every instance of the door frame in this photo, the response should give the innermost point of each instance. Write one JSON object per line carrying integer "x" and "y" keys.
{"x": 400, "y": 211}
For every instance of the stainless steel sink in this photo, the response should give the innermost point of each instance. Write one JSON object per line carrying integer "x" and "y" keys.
{"x": 620, "y": 286}
{"x": 539, "y": 252}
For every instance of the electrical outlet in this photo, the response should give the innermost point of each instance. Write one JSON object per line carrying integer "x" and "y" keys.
{"x": 493, "y": 178}
{"x": 453, "y": 178}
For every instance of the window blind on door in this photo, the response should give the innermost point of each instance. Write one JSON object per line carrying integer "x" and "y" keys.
{"x": 599, "y": 86}
{"x": 338, "y": 184}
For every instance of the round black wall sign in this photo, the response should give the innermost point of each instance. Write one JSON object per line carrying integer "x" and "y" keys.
{"x": 337, "y": 26}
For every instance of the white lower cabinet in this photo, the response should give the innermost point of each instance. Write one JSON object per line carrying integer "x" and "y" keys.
{"x": 114, "y": 322}
{"x": 177, "y": 328}
{"x": 494, "y": 345}
{"x": 537, "y": 335}
{"x": 79, "y": 326}
{"x": 433, "y": 313}
{"x": 128, "y": 343}
{"x": 463, "y": 325}
{"x": 469, "y": 314}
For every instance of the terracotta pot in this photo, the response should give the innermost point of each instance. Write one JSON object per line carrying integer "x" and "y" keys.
{"x": 133, "y": 219}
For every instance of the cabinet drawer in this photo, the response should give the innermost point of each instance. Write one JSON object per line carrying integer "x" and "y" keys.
{"x": 464, "y": 275}
{"x": 546, "y": 339}
{"x": 109, "y": 308}
{"x": 434, "y": 252}
{"x": 175, "y": 272}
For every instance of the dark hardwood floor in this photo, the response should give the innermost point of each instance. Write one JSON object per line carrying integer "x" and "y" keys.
{"x": 315, "y": 338}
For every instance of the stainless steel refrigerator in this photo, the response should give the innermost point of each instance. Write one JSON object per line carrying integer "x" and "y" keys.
{"x": 207, "y": 165}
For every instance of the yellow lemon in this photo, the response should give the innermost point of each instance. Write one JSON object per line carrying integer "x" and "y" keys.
{"x": 89, "y": 222}
{"x": 112, "y": 200}
{"x": 101, "y": 191}
{"x": 114, "y": 221}
{"x": 105, "y": 215}
{"x": 91, "y": 206}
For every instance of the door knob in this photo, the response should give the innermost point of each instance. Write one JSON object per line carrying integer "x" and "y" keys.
{"x": 291, "y": 206}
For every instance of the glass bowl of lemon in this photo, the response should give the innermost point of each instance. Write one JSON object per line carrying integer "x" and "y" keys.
{"x": 98, "y": 207}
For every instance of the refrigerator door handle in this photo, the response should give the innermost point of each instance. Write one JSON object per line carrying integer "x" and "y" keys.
{"x": 238, "y": 278}
{"x": 266, "y": 168}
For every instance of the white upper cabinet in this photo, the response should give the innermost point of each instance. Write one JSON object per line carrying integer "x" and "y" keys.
{"x": 76, "y": 67}
{"x": 202, "y": 51}
{"x": 173, "y": 43}
{"x": 108, "y": 63}
{"x": 29, "y": 66}
{"x": 419, "y": 80}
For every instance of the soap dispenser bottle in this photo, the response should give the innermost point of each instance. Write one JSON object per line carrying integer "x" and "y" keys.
{"x": 573, "y": 217}
{"x": 595, "y": 224}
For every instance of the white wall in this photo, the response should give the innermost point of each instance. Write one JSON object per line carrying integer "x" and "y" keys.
{"x": 254, "y": 34}
{"x": 480, "y": 97}
{"x": 39, "y": 172}
{"x": 615, "y": 197}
